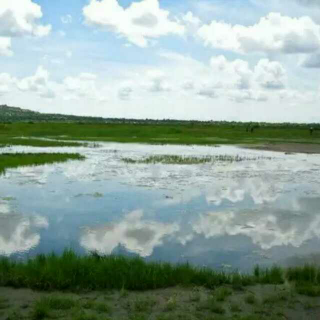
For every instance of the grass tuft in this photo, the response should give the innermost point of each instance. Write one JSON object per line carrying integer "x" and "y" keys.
{"x": 15, "y": 160}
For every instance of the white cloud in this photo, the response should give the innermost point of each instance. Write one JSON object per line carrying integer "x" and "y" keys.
{"x": 237, "y": 70}
{"x": 270, "y": 74}
{"x": 67, "y": 19}
{"x": 125, "y": 92}
{"x": 207, "y": 92}
{"x": 139, "y": 23}
{"x": 311, "y": 61}
{"x": 273, "y": 33}
{"x": 83, "y": 86}
{"x": 38, "y": 83}
{"x": 5, "y": 46}
{"x": 6, "y": 81}
{"x": 238, "y": 76}
{"x": 18, "y": 18}
{"x": 156, "y": 82}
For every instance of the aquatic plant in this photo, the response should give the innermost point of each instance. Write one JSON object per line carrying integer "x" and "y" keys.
{"x": 177, "y": 159}
{"x": 15, "y": 160}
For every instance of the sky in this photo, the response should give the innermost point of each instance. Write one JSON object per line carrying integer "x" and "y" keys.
{"x": 235, "y": 60}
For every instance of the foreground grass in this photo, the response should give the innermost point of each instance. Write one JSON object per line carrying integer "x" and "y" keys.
{"x": 192, "y": 133}
{"x": 94, "y": 272}
{"x": 188, "y": 160}
{"x": 165, "y": 304}
{"x": 100, "y": 283}
{"x": 8, "y": 160}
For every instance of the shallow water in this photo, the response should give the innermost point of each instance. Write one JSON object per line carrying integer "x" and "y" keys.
{"x": 222, "y": 215}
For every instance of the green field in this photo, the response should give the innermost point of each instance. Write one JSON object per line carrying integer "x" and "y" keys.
{"x": 190, "y": 133}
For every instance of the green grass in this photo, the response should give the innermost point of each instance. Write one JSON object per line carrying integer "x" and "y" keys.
{"x": 212, "y": 305}
{"x": 175, "y": 159}
{"x": 189, "y": 133}
{"x": 70, "y": 271}
{"x": 97, "y": 306}
{"x": 250, "y": 299}
{"x": 11, "y": 141}
{"x": 15, "y": 160}
{"x": 221, "y": 294}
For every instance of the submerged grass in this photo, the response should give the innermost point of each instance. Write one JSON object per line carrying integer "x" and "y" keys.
{"x": 176, "y": 159}
{"x": 15, "y": 160}
{"x": 93, "y": 272}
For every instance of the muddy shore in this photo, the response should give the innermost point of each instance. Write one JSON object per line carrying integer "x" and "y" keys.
{"x": 256, "y": 302}
{"x": 287, "y": 147}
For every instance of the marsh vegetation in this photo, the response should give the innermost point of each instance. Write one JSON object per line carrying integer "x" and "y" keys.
{"x": 15, "y": 160}
{"x": 111, "y": 287}
{"x": 177, "y": 159}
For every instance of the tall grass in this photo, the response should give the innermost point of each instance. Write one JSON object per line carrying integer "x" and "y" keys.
{"x": 93, "y": 272}
{"x": 176, "y": 159}
{"x": 15, "y": 160}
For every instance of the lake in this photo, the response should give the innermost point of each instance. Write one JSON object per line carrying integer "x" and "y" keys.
{"x": 226, "y": 215}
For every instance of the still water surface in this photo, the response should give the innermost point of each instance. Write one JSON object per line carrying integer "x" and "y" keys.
{"x": 223, "y": 215}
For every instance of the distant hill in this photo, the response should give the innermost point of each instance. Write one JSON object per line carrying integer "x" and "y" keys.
{"x": 13, "y": 114}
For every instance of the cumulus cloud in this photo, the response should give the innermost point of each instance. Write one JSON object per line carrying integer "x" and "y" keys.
{"x": 244, "y": 82}
{"x": 238, "y": 70}
{"x": 311, "y": 61}
{"x": 38, "y": 83}
{"x": 83, "y": 86}
{"x": 156, "y": 82}
{"x": 125, "y": 92}
{"x": 6, "y": 82}
{"x": 207, "y": 92}
{"x": 134, "y": 233}
{"x": 139, "y": 23}
{"x": 273, "y": 33}
{"x": 19, "y": 18}
{"x": 5, "y": 46}
{"x": 270, "y": 74}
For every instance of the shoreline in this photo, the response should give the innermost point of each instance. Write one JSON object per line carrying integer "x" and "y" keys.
{"x": 289, "y": 148}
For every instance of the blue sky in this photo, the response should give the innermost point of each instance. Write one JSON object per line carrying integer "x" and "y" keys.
{"x": 189, "y": 59}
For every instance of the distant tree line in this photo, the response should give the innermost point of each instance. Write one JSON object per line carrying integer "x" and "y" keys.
{"x": 14, "y": 114}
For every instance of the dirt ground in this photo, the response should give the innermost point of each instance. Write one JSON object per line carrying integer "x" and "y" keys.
{"x": 288, "y": 147}
{"x": 251, "y": 303}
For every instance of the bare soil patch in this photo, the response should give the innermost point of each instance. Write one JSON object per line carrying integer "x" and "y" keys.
{"x": 256, "y": 302}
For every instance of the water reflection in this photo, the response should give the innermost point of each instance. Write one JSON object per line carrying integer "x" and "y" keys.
{"x": 134, "y": 233}
{"x": 18, "y": 233}
{"x": 267, "y": 227}
{"x": 235, "y": 214}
